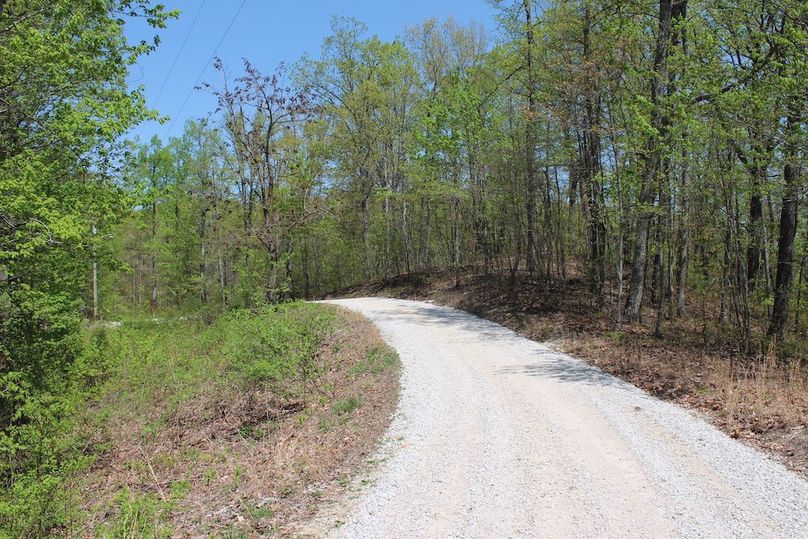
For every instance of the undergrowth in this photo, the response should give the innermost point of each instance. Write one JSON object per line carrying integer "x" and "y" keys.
{"x": 124, "y": 373}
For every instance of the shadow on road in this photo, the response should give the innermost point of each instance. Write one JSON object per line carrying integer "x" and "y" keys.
{"x": 442, "y": 316}
{"x": 554, "y": 366}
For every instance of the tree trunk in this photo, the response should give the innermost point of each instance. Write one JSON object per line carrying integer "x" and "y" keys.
{"x": 305, "y": 263}
{"x": 153, "y": 296}
{"x": 652, "y": 157}
{"x": 591, "y": 180}
{"x": 788, "y": 230}
{"x": 517, "y": 237}
{"x": 530, "y": 141}
{"x": 406, "y": 237}
{"x": 366, "y": 269}
{"x": 457, "y": 231}
{"x": 753, "y": 253}
{"x": 203, "y": 254}
{"x": 388, "y": 251}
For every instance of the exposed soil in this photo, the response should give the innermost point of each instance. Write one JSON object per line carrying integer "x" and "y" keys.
{"x": 254, "y": 464}
{"x": 695, "y": 365}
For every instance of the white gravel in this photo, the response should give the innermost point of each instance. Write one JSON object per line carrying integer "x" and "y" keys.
{"x": 499, "y": 436}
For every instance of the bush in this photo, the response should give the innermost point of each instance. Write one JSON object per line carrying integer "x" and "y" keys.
{"x": 276, "y": 343}
{"x": 39, "y": 450}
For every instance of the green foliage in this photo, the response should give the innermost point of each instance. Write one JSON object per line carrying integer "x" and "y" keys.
{"x": 379, "y": 358}
{"x": 40, "y": 447}
{"x": 65, "y": 104}
{"x": 380, "y": 158}
{"x": 346, "y": 406}
{"x": 129, "y": 371}
{"x": 265, "y": 353}
{"x": 138, "y": 515}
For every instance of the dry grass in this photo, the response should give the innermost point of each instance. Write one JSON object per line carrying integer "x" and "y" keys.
{"x": 246, "y": 464}
{"x": 696, "y": 364}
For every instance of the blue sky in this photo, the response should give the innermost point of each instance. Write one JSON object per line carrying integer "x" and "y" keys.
{"x": 266, "y": 32}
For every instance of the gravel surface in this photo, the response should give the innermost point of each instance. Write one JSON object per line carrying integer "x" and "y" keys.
{"x": 499, "y": 436}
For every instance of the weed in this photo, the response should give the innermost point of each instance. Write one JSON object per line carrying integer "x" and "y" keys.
{"x": 237, "y": 475}
{"x": 346, "y": 406}
{"x": 324, "y": 425}
{"x": 258, "y": 513}
{"x": 180, "y": 489}
{"x": 138, "y": 515}
{"x": 208, "y": 476}
{"x": 161, "y": 387}
{"x": 233, "y": 533}
{"x": 252, "y": 432}
{"x": 378, "y": 359}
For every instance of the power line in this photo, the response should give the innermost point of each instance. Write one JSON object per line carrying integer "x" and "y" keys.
{"x": 179, "y": 52}
{"x": 202, "y": 73}
{"x": 174, "y": 63}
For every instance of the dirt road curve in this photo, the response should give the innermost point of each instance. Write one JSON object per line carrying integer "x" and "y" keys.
{"x": 498, "y": 436}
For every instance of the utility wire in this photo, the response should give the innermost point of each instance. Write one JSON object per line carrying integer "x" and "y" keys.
{"x": 179, "y": 52}
{"x": 202, "y": 73}
{"x": 174, "y": 63}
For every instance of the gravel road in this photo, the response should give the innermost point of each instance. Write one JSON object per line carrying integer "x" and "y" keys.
{"x": 499, "y": 436}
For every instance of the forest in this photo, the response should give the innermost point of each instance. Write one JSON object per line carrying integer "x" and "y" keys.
{"x": 653, "y": 150}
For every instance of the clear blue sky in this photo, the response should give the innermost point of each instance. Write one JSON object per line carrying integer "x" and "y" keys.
{"x": 266, "y": 32}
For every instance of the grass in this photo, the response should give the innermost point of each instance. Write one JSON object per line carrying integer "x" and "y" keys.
{"x": 138, "y": 515}
{"x": 174, "y": 362}
{"x": 378, "y": 359}
{"x": 346, "y": 406}
{"x": 199, "y": 427}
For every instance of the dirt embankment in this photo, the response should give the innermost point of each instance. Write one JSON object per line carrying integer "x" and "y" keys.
{"x": 695, "y": 364}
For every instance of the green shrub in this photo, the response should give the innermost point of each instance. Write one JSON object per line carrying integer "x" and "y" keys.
{"x": 276, "y": 343}
{"x": 39, "y": 450}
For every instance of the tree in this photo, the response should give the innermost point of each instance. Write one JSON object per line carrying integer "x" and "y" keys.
{"x": 587, "y": 131}
{"x": 671, "y": 14}
{"x": 258, "y": 111}
{"x": 64, "y": 104}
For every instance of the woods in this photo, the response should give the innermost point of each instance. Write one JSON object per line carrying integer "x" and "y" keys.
{"x": 654, "y": 149}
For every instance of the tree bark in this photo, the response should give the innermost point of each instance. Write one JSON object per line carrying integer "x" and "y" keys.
{"x": 530, "y": 141}
{"x": 669, "y": 11}
{"x": 788, "y": 230}
{"x": 683, "y": 238}
{"x": 457, "y": 232}
{"x": 591, "y": 181}
{"x": 366, "y": 269}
